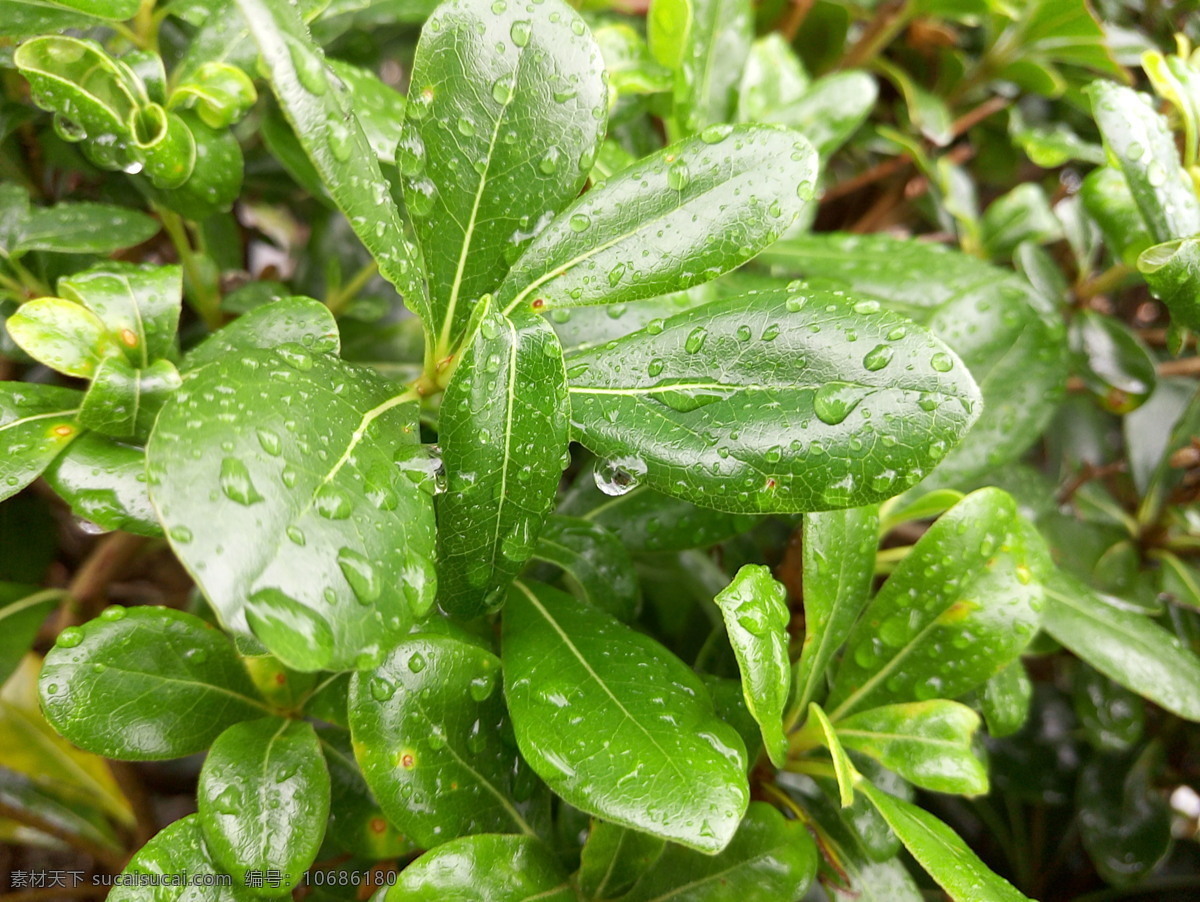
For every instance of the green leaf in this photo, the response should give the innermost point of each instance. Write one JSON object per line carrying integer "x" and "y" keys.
{"x": 83, "y": 228}
{"x": 23, "y": 609}
{"x": 321, "y": 113}
{"x": 356, "y": 822}
{"x": 831, "y": 110}
{"x": 1124, "y": 820}
{"x": 969, "y": 577}
{"x": 487, "y": 868}
{"x": 1109, "y": 203}
{"x": 379, "y": 108}
{"x": 139, "y": 306}
{"x": 428, "y": 731}
{"x": 768, "y": 858}
{"x": 145, "y": 684}
{"x": 714, "y": 50}
{"x": 839, "y": 565}
{"x": 104, "y": 482}
{"x": 762, "y": 403}
{"x": 63, "y": 335}
{"x": 754, "y": 607}
{"x": 215, "y": 181}
{"x": 327, "y": 563}
{"x": 1142, "y": 144}
{"x": 843, "y": 769}
{"x": 721, "y": 197}
{"x": 940, "y": 851}
{"x": 503, "y": 432}
{"x": 36, "y": 423}
{"x": 1005, "y": 700}
{"x": 1112, "y": 716}
{"x": 668, "y": 27}
{"x": 1172, "y": 270}
{"x": 152, "y": 874}
{"x": 220, "y": 93}
{"x": 291, "y": 320}
{"x": 597, "y": 567}
{"x": 22, "y": 795}
{"x": 1011, "y": 338}
{"x": 1022, "y": 214}
{"x": 122, "y": 401}
{"x": 774, "y": 78}
{"x": 649, "y": 714}
{"x": 927, "y": 112}
{"x": 22, "y": 17}
{"x": 506, "y": 114}
{"x": 263, "y": 799}
{"x": 649, "y": 521}
{"x": 1125, "y": 646}
{"x": 926, "y": 743}
{"x": 613, "y": 859}
{"x": 1113, "y": 362}
{"x": 630, "y": 67}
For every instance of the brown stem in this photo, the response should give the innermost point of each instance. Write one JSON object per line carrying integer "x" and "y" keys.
{"x": 972, "y": 118}
{"x": 790, "y": 22}
{"x": 1187, "y": 366}
{"x": 130, "y": 784}
{"x": 880, "y": 31}
{"x": 108, "y": 857}
{"x": 87, "y": 589}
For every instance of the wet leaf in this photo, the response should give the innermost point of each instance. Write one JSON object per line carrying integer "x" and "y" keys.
{"x": 321, "y": 113}
{"x": 139, "y": 306}
{"x": 1125, "y": 646}
{"x": 1005, "y": 700}
{"x": 926, "y": 743}
{"x": 839, "y": 564}
{"x": 1124, "y": 821}
{"x": 754, "y": 607}
{"x": 36, "y": 423}
{"x": 656, "y": 758}
{"x": 145, "y": 684}
{"x": 830, "y": 110}
{"x": 613, "y": 859}
{"x": 123, "y": 402}
{"x": 712, "y": 54}
{"x": 774, "y": 78}
{"x": 923, "y": 636}
{"x": 506, "y": 113}
{"x": 1172, "y": 270}
{"x": 326, "y": 563}
{"x": 356, "y": 822}
{"x": 295, "y": 320}
{"x": 940, "y": 852}
{"x": 597, "y": 567}
{"x": 378, "y": 107}
{"x": 428, "y": 727}
{"x": 503, "y": 432}
{"x": 1112, "y": 715}
{"x": 104, "y": 482}
{"x": 488, "y": 868}
{"x": 63, "y": 335}
{"x": 720, "y": 197}
{"x": 763, "y": 403}
{"x": 82, "y": 228}
{"x": 1114, "y": 363}
{"x": 768, "y": 857}
{"x": 263, "y": 798}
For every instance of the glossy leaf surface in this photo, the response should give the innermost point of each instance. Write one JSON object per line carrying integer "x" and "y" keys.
{"x": 713, "y": 54}
{"x": 596, "y": 565}
{"x": 144, "y": 684}
{"x": 761, "y": 403}
{"x": 1011, "y": 339}
{"x": 1123, "y": 645}
{"x": 613, "y": 859}
{"x": 326, "y": 563}
{"x": 104, "y": 482}
{"x": 139, "y": 306}
{"x": 506, "y": 112}
{"x": 968, "y": 575}
{"x": 768, "y": 857}
{"x": 178, "y": 848}
{"x": 322, "y": 115}
{"x": 1124, "y": 821}
{"x": 291, "y": 320}
{"x": 63, "y": 335}
{"x": 940, "y": 852}
{"x": 356, "y": 822}
{"x": 36, "y": 423}
{"x": 123, "y": 401}
{"x": 678, "y": 218}
{"x": 839, "y": 564}
{"x": 503, "y": 432}
{"x": 926, "y": 743}
{"x": 1005, "y": 700}
{"x": 264, "y": 799}
{"x": 428, "y": 728}
{"x": 1141, "y": 141}
{"x": 1172, "y": 270}
{"x": 485, "y": 868}
{"x": 754, "y": 607}
{"x": 81, "y": 228}
{"x": 657, "y": 759}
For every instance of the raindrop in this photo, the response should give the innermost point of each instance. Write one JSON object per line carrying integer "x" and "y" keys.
{"x": 361, "y": 574}
{"x": 941, "y": 362}
{"x": 695, "y": 340}
{"x": 619, "y": 476}
{"x": 878, "y": 357}
{"x": 331, "y": 502}
{"x": 70, "y": 637}
{"x": 549, "y": 163}
{"x": 416, "y": 662}
{"x": 580, "y": 222}
{"x": 678, "y": 175}
{"x": 503, "y": 90}
{"x": 834, "y": 401}
{"x": 520, "y": 32}
{"x": 236, "y": 482}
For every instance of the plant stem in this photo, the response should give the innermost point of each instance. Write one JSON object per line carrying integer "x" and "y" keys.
{"x": 205, "y": 302}
{"x": 889, "y": 20}
{"x": 86, "y": 590}
{"x": 108, "y": 857}
{"x": 337, "y": 300}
